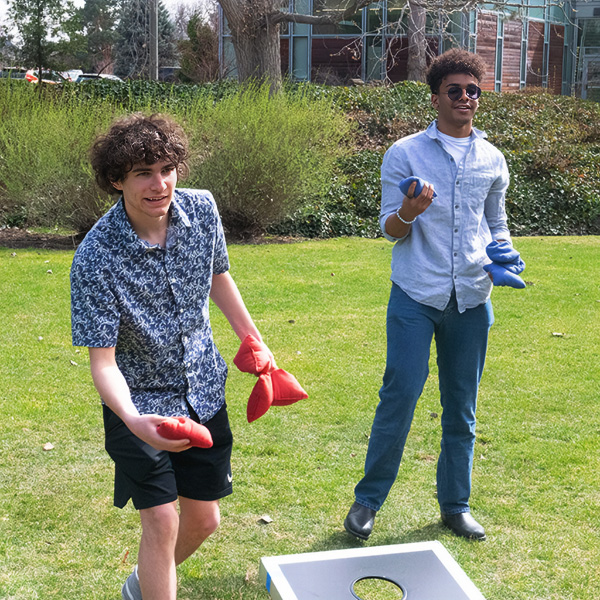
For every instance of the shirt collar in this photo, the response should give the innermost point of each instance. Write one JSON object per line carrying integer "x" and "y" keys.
{"x": 432, "y": 132}
{"x": 179, "y": 223}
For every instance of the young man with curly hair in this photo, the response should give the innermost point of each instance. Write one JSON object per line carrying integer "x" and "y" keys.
{"x": 140, "y": 287}
{"x": 439, "y": 290}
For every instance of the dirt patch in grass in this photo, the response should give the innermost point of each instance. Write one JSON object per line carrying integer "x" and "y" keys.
{"x": 13, "y": 237}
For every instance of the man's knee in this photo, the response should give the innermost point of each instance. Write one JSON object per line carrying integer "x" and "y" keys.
{"x": 209, "y": 525}
{"x": 201, "y": 519}
{"x": 160, "y": 522}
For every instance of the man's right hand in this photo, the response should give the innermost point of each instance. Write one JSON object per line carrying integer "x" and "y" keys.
{"x": 398, "y": 224}
{"x": 413, "y": 206}
{"x": 144, "y": 427}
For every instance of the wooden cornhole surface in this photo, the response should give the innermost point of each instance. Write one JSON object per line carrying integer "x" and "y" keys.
{"x": 423, "y": 571}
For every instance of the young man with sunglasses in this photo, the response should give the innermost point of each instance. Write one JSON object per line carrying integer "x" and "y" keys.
{"x": 439, "y": 290}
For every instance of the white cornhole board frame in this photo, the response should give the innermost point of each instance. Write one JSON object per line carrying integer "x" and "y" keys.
{"x": 423, "y": 570}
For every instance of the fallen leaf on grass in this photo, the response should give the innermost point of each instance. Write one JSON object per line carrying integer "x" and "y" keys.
{"x": 265, "y": 519}
{"x": 73, "y": 363}
{"x": 48, "y": 446}
{"x": 557, "y": 334}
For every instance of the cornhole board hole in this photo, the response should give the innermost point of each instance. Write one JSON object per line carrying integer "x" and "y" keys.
{"x": 422, "y": 571}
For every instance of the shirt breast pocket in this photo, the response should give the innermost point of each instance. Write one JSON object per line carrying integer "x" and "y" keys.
{"x": 480, "y": 184}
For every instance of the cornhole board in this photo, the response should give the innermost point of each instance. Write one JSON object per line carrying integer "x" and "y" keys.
{"x": 422, "y": 570}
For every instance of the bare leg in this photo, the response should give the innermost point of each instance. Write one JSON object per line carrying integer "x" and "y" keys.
{"x": 197, "y": 520}
{"x": 156, "y": 564}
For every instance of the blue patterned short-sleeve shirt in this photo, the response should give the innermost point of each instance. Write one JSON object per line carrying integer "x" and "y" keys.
{"x": 151, "y": 304}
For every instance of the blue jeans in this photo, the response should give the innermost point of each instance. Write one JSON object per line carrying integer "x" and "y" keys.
{"x": 461, "y": 343}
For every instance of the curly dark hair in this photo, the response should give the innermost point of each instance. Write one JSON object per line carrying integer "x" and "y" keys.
{"x": 451, "y": 62}
{"x": 135, "y": 139}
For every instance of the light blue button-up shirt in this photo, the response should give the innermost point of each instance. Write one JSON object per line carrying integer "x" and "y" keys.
{"x": 445, "y": 246}
{"x": 151, "y": 304}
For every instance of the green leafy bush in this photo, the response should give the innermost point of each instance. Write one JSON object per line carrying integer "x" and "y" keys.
{"x": 287, "y": 164}
{"x": 350, "y": 207}
{"x": 551, "y": 143}
{"x": 262, "y": 156}
{"x": 45, "y": 178}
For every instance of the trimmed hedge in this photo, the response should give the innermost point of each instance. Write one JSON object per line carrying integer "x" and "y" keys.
{"x": 551, "y": 144}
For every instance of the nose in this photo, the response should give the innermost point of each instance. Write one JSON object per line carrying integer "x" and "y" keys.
{"x": 158, "y": 182}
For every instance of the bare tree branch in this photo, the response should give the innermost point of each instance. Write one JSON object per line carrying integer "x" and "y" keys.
{"x": 287, "y": 17}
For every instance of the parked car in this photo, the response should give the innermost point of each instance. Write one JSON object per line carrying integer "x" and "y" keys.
{"x": 72, "y": 74}
{"x": 52, "y": 77}
{"x": 96, "y": 76}
{"x": 13, "y": 73}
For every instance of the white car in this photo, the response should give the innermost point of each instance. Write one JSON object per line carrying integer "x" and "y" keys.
{"x": 96, "y": 76}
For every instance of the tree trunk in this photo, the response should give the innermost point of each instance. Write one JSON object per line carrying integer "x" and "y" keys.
{"x": 255, "y": 39}
{"x": 417, "y": 44}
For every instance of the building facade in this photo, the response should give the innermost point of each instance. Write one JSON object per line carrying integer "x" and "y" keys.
{"x": 540, "y": 43}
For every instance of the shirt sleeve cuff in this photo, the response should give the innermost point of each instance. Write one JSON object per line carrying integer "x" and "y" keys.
{"x": 501, "y": 233}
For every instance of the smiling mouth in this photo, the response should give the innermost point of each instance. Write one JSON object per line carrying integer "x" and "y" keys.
{"x": 155, "y": 200}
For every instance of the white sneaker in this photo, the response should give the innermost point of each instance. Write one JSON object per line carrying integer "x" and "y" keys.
{"x": 131, "y": 589}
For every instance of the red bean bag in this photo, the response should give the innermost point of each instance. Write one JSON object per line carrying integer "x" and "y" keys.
{"x": 252, "y": 357}
{"x": 275, "y": 387}
{"x": 181, "y": 428}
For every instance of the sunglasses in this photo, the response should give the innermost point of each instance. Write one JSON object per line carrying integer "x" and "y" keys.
{"x": 455, "y": 92}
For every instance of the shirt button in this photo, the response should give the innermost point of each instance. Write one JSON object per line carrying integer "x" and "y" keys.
{"x": 456, "y": 206}
{"x": 184, "y": 339}
{"x": 456, "y": 254}
{"x": 457, "y": 182}
{"x": 456, "y": 231}
{"x": 181, "y": 310}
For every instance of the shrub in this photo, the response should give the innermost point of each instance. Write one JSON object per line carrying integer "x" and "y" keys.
{"x": 266, "y": 159}
{"x": 262, "y": 156}
{"x": 350, "y": 206}
{"x": 551, "y": 143}
{"x": 45, "y": 176}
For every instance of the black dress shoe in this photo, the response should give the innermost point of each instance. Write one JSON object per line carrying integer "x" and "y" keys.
{"x": 359, "y": 521}
{"x": 464, "y": 525}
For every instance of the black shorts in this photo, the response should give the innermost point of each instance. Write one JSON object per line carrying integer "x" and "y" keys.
{"x": 153, "y": 477}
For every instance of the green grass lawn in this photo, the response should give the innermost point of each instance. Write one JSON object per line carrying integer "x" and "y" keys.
{"x": 321, "y": 308}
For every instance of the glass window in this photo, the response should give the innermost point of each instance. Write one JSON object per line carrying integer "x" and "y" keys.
{"x": 374, "y": 17}
{"x": 301, "y": 7}
{"x": 374, "y": 57}
{"x": 590, "y": 32}
{"x": 300, "y": 66}
{"x": 352, "y": 25}
{"x": 397, "y": 16}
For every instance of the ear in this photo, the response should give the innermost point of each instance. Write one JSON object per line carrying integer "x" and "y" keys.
{"x": 434, "y": 102}
{"x": 117, "y": 185}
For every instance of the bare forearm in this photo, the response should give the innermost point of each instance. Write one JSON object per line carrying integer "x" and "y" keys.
{"x": 114, "y": 391}
{"x": 396, "y": 228}
{"x": 225, "y": 294}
